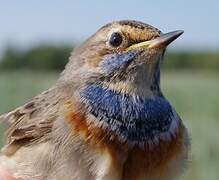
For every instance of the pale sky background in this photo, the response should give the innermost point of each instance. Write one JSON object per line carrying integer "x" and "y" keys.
{"x": 29, "y": 22}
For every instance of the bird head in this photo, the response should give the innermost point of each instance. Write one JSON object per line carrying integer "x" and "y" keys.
{"x": 116, "y": 74}
{"x": 124, "y": 56}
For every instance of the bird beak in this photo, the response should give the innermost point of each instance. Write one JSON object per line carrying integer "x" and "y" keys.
{"x": 160, "y": 42}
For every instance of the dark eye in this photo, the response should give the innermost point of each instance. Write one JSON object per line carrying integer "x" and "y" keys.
{"x": 115, "y": 39}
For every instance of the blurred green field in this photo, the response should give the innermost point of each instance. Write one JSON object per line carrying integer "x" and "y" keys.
{"x": 195, "y": 95}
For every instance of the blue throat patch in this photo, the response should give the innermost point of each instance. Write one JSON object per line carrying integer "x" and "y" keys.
{"x": 131, "y": 118}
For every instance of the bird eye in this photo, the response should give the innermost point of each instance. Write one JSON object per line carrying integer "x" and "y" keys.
{"x": 115, "y": 39}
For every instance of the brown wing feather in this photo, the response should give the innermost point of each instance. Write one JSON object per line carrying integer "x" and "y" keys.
{"x": 32, "y": 122}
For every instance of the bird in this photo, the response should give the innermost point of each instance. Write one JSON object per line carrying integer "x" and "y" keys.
{"x": 106, "y": 117}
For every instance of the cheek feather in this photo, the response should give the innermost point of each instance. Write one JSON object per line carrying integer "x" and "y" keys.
{"x": 113, "y": 62}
